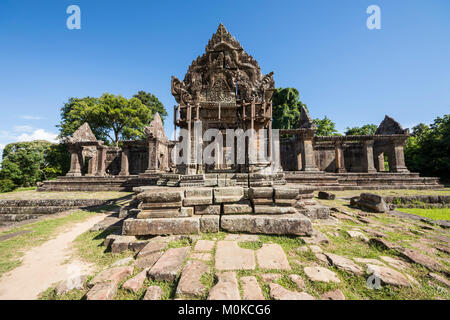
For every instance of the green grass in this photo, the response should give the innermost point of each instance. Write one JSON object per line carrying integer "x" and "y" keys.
{"x": 89, "y": 248}
{"x": 432, "y": 213}
{"x": 12, "y": 250}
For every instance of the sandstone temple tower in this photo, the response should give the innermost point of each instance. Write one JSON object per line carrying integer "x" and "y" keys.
{"x": 224, "y": 89}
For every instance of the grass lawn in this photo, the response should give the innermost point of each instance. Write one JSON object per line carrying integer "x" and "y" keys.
{"x": 11, "y": 250}
{"x": 433, "y": 213}
{"x": 393, "y": 192}
{"x": 33, "y": 195}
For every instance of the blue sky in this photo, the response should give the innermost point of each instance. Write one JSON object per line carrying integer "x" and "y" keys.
{"x": 342, "y": 69}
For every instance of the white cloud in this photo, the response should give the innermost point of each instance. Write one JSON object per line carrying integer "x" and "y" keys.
{"x": 38, "y": 134}
{"x": 28, "y": 117}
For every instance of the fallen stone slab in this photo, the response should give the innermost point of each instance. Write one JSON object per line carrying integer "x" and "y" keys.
{"x": 152, "y": 247}
{"x": 204, "y": 245}
{"x": 189, "y": 284}
{"x": 272, "y": 256}
{"x": 321, "y": 257}
{"x": 344, "y": 264}
{"x": 326, "y": 195}
{"x": 251, "y": 289}
{"x": 102, "y": 291}
{"x": 229, "y": 256}
{"x": 278, "y": 292}
{"x": 421, "y": 259}
{"x": 317, "y": 212}
{"x": 109, "y": 223}
{"x": 439, "y": 279}
{"x": 169, "y": 265}
{"x": 292, "y": 224}
{"x": 388, "y": 276}
{"x": 315, "y": 249}
{"x": 270, "y": 277}
{"x": 114, "y": 275}
{"x": 73, "y": 283}
{"x": 149, "y": 260}
{"x": 226, "y": 287}
{"x": 123, "y": 262}
{"x": 122, "y": 243}
{"x": 153, "y": 293}
{"x": 367, "y": 261}
{"x": 333, "y": 295}
{"x": 371, "y": 202}
{"x": 321, "y": 274}
{"x": 161, "y": 226}
{"x": 384, "y": 244}
{"x": 209, "y": 223}
{"x": 316, "y": 237}
{"x": 137, "y": 282}
{"x": 396, "y": 263}
{"x": 357, "y": 235}
{"x": 298, "y": 280}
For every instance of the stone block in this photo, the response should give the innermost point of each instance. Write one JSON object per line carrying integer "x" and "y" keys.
{"x": 292, "y": 224}
{"x": 326, "y": 195}
{"x": 208, "y": 209}
{"x": 197, "y": 201}
{"x": 285, "y": 193}
{"x": 160, "y": 205}
{"x": 242, "y": 207}
{"x": 160, "y": 196}
{"x": 267, "y": 209}
{"x": 198, "y": 193}
{"x": 263, "y": 192}
{"x": 160, "y": 226}
{"x": 169, "y": 265}
{"x": 228, "y": 194}
{"x": 209, "y": 223}
{"x": 162, "y": 213}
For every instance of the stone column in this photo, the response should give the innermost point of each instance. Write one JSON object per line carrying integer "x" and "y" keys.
{"x": 124, "y": 168}
{"x": 381, "y": 167}
{"x": 367, "y": 157}
{"x": 398, "y": 156}
{"x": 75, "y": 162}
{"x": 101, "y": 151}
{"x": 298, "y": 148}
{"x": 339, "y": 157}
{"x": 308, "y": 159}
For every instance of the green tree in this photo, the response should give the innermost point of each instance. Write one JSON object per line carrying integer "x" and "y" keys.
{"x": 428, "y": 149}
{"x": 367, "y": 129}
{"x": 110, "y": 117}
{"x": 326, "y": 127}
{"x": 286, "y": 106}
{"x": 152, "y": 102}
{"x": 25, "y": 163}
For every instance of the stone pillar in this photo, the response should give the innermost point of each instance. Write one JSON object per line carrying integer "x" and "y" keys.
{"x": 75, "y": 162}
{"x": 308, "y": 158}
{"x": 339, "y": 157}
{"x": 124, "y": 168}
{"x": 367, "y": 157}
{"x": 298, "y": 148}
{"x": 381, "y": 167}
{"x": 101, "y": 151}
{"x": 398, "y": 157}
{"x": 152, "y": 156}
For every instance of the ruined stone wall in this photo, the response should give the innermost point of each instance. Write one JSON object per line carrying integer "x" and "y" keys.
{"x": 113, "y": 161}
{"x": 352, "y": 157}
{"x": 325, "y": 157}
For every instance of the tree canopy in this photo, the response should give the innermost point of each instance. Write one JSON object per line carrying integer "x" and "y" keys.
{"x": 326, "y": 127}
{"x": 286, "y": 106}
{"x": 25, "y": 163}
{"x": 367, "y": 129}
{"x": 428, "y": 149}
{"x": 111, "y": 117}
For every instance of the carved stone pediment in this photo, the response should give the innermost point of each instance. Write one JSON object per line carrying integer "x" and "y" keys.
{"x": 156, "y": 128}
{"x": 224, "y": 74}
{"x": 82, "y": 134}
{"x": 390, "y": 126}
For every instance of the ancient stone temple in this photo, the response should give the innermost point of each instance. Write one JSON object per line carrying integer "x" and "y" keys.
{"x": 224, "y": 113}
